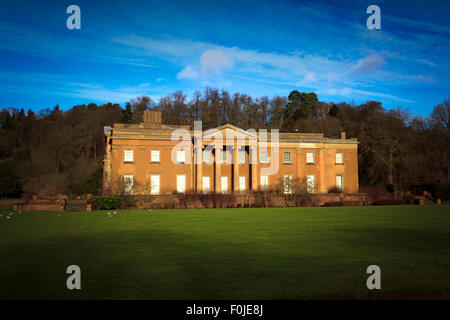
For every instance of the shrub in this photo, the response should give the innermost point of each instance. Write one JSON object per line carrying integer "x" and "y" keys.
{"x": 333, "y": 204}
{"x": 107, "y": 203}
{"x": 334, "y": 190}
{"x": 443, "y": 191}
{"x": 388, "y": 202}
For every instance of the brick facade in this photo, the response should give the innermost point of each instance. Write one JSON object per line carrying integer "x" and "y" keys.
{"x": 137, "y": 142}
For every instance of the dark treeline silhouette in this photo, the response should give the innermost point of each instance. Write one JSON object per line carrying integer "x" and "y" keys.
{"x": 58, "y": 151}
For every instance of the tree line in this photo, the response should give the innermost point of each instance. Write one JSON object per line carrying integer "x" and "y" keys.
{"x": 55, "y": 151}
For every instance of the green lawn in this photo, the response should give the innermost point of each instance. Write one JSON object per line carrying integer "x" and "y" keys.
{"x": 272, "y": 253}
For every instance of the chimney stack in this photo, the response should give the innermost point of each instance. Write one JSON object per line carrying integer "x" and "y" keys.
{"x": 152, "y": 119}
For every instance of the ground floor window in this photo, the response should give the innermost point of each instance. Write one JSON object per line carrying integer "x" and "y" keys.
{"x": 310, "y": 184}
{"x": 287, "y": 184}
{"x": 242, "y": 183}
{"x": 205, "y": 184}
{"x": 181, "y": 183}
{"x": 224, "y": 184}
{"x": 340, "y": 181}
{"x": 154, "y": 184}
{"x": 128, "y": 184}
{"x": 264, "y": 182}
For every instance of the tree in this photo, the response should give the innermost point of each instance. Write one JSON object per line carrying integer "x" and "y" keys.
{"x": 138, "y": 106}
{"x": 334, "y": 111}
{"x": 10, "y": 186}
{"x": 300, "y": 106}
{"x": 127, "y": 114}
{"x": 293, "y": 191}
{"x": 276, "y": 110}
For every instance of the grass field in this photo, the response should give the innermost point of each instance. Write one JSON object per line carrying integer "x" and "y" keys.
{"x": 271, "y": 253}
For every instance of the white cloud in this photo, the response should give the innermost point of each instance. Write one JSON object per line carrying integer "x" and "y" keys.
{"x": 212, "y": 63}
{"x": 370, "y": 63}
{"x": 351, "y": 93}
{"x": 207, "y": 62}
{"x": 188, "y": 73}
{"x": 422, "y": 78}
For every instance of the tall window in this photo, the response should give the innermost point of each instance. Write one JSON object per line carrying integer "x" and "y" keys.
{"x": 264, "y": 182}
{"x": 128, "y": 156}
{"x": 155, "y": 155}
{"x": 180, "y": 156}
{"x": 340, "y": 182}
{"x": 287, "y": 184}
{"x": 206, "y": 156}
{"x": 205, "y": 184}
{"x": 223, "y": 153}
{"x": 310, "y": 184}
{"x": 154, "y": 184}
{"x": 310, "y": 157}
{"x": 339, "y": 158}
{"x": 241, "y": 183}
{"x": 287, "y": 157}
{"x": 241, "y": 156}
{"x": 181, "y": 183}
{"x": 224, "y": 184}
{"x": 263, "y": 157}
{"x": 128, "y": 183}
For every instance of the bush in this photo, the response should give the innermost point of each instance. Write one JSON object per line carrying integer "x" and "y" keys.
{"x": 334, "y": 190}
{"x": 93, "y": 182}
{"x": 107, "y": 203}
{"x": 333, "y": 204}
{"x": 388, "y": 202}
{"x": 443, "y": 191}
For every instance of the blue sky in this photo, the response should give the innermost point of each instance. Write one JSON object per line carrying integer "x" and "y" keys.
{"x": 130, "y": 48}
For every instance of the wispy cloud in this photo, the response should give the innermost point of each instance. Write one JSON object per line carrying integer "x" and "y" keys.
{"x": 370, "y": 63}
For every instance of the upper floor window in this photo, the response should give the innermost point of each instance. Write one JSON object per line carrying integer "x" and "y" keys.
{"x": 155, "y": 155}
{"x": 339, "y": 158}
{"x": 263, "y": 157}
{"x": 128, "y": 156}
{"x": 180, "y": 156}
{"x": 224, "y": 156}
{"x": 241, "y": 156}
{"x": 287, "y": 157}
{"x": 310, "y": 157}
{"x": 206, "y": 156}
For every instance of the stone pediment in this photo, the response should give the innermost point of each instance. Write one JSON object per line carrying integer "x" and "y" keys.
{"x": 229, "y": 131}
